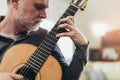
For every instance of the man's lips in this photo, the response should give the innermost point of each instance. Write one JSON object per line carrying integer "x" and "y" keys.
{"x": 38, "y": 21}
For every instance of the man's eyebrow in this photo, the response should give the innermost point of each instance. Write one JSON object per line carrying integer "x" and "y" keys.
{"x": 40, "y": 6}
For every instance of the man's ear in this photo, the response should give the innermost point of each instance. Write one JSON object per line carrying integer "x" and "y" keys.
{"x": 15, "y": 3}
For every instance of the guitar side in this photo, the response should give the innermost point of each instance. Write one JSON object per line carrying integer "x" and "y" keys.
{"x": 16, "y": 57}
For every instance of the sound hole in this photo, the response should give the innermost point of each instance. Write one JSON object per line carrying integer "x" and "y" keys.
{"x": 28, "y": 73}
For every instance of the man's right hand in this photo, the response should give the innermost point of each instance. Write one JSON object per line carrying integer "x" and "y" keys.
{"x": 10, "y": 76}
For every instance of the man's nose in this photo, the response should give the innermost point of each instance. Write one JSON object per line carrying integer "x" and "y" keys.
{"x": 42, "y": 13}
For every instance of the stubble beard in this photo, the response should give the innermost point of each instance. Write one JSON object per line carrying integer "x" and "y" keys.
{"x": 24, "y": 22}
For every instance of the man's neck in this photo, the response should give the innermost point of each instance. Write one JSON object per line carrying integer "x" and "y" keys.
{"x": 8, "y": 27}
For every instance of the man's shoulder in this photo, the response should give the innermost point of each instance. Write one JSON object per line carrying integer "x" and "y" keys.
{"x": 36, "y": 37}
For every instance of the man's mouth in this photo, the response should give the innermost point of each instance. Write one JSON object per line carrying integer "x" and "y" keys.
{"x": 38, "y": 21}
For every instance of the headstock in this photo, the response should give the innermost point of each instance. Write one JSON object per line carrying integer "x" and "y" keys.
{"x": 79, "y": 4}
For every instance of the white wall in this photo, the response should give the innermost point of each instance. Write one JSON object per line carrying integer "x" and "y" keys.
{"x": 3, "y": 7}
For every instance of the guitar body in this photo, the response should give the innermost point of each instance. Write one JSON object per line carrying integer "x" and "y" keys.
{"x": 16, "y": 57}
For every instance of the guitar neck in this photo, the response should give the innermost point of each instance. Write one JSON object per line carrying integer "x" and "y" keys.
{"x": 44, "y": 50}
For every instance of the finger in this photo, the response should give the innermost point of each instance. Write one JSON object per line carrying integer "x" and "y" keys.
{"x": 65, "y": 34}
{"x": 68, "y": 20}
{"x": 17, "y": 77}
{"x": 65, "y": 26}
{"x": 71, "y": 18}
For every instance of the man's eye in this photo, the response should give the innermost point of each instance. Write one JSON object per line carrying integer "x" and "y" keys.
{"x": 39, "y": 7}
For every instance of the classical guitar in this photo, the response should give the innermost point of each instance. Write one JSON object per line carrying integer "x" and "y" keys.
{"x": 36, "y": 63}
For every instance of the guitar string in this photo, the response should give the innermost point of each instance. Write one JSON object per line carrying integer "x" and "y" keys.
{"x": 25, "y": 70}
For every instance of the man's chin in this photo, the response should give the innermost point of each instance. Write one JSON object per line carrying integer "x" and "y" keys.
{"x": 34, "y": 28}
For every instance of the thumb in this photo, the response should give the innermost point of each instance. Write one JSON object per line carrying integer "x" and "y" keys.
{"x": 17, "y": 77}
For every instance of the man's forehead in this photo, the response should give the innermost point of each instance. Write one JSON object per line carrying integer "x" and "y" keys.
{"x": 46, "y": 1}
{"x": 42, "y": 2}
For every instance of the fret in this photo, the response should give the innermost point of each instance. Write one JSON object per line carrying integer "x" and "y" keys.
{"x": 38, "y": 58}
{"x": 46, "y": 43}
{"x": 34, "y": 66}
{"x": 52, "y": 39}
{"x": 38, "y": 61}
{"x": 41, "y": 53}
{"x": 46, "y": 47}
{"x": 71, "y": 10}
{"x": 34, "y": 63}
{"x": 55, "y": 30}
{"x": 35, "y": 69}
{"x": 67, "y": 14}
{"x": 41, "y": 57}
{"x": 44, "y": 51}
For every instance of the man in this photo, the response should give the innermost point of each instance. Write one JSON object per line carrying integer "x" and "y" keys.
{"x": 18, "y": 27}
